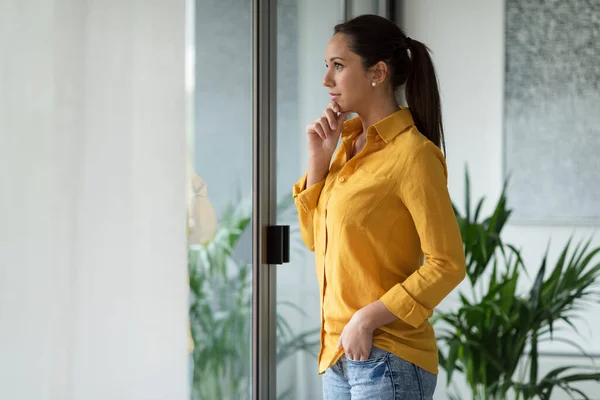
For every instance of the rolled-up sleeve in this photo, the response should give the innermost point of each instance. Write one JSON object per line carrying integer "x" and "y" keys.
{"x": 306, "y": 200}
{"x": 424, "y": 192}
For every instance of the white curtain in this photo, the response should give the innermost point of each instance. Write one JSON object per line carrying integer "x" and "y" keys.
{"x": 93, "y": 289}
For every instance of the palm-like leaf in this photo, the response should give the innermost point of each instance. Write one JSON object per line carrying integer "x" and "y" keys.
{"x": 481, "y": 239}
{"x": 497, "y": 333}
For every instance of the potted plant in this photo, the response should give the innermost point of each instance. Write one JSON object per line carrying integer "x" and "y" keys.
{"x": 493, "y": 338}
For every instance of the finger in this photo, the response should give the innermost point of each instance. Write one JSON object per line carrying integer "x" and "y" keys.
{"x": 319, "y": 129}
{"x": 333, "y": 106}
{"x": 325, "y": 126}
{"x": 332, "y": 118}
{"x": 363, "y": 358}
{"x": 339, "y": 345}
{"x": 310, "y": 130}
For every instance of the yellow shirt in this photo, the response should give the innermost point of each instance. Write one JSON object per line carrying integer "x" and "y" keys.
{"x": 370, "y": 222}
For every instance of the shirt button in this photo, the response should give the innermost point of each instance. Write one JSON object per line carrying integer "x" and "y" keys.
{"x": 342, "y": 179}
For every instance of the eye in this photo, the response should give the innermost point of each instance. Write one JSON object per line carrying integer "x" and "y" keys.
{"x": 338, "y": 66}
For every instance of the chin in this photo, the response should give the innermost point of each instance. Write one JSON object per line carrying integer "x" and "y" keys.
{"x": 343, "y": 107}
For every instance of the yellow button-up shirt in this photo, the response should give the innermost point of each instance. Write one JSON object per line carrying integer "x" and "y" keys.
{"x": 370, "y": 222}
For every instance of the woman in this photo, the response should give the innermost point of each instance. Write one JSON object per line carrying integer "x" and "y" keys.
{"x": 378, "y": 215}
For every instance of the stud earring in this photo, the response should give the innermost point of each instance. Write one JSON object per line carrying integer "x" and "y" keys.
{"x": 374, "y": 84}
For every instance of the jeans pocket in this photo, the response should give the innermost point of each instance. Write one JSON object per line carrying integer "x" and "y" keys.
{"x": 376, "y": 355}
{"x": 370, "y": 379}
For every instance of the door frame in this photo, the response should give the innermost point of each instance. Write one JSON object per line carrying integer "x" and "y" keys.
{"x": 264, "y": 202}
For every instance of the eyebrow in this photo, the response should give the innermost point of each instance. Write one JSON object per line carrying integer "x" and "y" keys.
{"x": 335, "y": 58}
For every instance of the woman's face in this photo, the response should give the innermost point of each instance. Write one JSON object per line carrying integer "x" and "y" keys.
{"x": 348, "y": 82}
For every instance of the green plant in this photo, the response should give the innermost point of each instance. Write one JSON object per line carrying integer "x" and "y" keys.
{"x": 494, "y": 337}
{"x": 221, "y": 312}
{"x": 481, "y": 240}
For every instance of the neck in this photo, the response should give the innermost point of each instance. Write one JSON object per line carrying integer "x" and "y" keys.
{"x": 376, "y": 111}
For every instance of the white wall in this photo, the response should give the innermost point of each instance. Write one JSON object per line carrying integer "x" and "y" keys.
{"x": 92, "y": 202}
{"x": 467, "y": 40}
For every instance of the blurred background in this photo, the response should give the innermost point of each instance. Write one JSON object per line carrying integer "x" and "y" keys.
{"x": 126, "y": 154}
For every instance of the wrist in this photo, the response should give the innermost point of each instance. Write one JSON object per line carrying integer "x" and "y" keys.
{"x": 319, "y": 160}
{"x": 364, "y": 320}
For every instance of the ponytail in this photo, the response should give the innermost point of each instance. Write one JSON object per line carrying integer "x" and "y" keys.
{"x": 422, "y": 94}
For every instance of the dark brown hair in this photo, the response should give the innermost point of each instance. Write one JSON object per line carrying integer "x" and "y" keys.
{"x": 375, "y": 39}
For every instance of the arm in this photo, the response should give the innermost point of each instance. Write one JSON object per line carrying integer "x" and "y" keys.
{"x": 373, "y": 316}
{"x": 317, "y": 170}
{"x": 425, "y": 194}
{"x": 306, "y": 196}
{"x": 322, "y": 136}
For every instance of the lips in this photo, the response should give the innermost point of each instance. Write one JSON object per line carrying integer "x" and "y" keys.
{"x": 334, "y": 95}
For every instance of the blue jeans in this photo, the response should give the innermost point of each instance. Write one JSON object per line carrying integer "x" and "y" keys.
{"x": 383, "y": 376}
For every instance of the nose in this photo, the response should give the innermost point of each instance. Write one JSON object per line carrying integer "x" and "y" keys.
{"x": 327, "y": 81}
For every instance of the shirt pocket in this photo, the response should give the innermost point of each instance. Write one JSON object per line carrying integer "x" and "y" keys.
{"x": 363, "y": 196}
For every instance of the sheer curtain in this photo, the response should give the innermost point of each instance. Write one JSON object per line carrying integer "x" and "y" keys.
{"x": 93, "y": 267}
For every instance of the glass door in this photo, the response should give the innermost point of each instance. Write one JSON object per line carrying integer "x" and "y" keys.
{"x": 220, "y": 85}
{"x": 233, "y": 246}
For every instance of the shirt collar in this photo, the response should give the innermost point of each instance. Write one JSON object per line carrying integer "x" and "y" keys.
{"x": 388, "y": 128}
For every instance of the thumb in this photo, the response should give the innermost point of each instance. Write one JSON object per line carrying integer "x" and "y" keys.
{"x": 342, "y": 117}
{"x": 339, "y": 343}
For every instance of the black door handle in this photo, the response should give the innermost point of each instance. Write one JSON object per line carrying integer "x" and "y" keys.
{"x": 278, "y": 244}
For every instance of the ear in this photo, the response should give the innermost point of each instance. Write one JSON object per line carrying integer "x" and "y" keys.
{"x": 379, "y": 72}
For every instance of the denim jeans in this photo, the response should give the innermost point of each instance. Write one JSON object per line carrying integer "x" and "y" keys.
{"x": 383, "y": 376}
